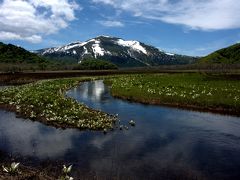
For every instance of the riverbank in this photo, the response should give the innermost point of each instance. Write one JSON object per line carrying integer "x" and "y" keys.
{"x": 45, "y": 101}
{"x": 202, "y": 92}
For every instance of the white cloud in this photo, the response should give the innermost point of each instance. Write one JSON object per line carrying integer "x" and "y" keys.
{"x": 11, "y": 36}
{"x": 109, "y": 23}
{"x": 29, "y": 20}
{"x": 195, "y": 14}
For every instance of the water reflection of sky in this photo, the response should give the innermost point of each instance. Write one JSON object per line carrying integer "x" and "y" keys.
{"x": 165, "y": 141}
{"x": 32, "y": 138}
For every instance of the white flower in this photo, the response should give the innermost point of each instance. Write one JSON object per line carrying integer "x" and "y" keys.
{"x": 66, "y": 169}
{"x": 5, "y": 169}
{"x": 14, "y": 166}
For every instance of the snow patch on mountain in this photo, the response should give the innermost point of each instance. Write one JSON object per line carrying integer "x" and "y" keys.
{"x": 85, "y": 51}
{"x": 105, "y": 36}
{"x": 97, "y": 50}
{"x": 132, "y": 44}
{"x": 170, "y": 54}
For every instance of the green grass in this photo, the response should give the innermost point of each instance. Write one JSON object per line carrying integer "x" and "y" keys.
{"x": 45, "y": 101}
{"x": 193, "y": 90}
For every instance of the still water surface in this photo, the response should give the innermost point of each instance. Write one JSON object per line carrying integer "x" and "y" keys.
{"x": 166, "y": 143}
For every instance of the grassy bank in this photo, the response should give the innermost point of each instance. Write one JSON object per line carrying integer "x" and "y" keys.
{"x": 196, "y": 91}
{"x": 45, "y": 101}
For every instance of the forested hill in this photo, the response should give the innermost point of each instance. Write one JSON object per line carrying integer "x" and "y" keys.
{"x": 229, "y": 55}
{"x": 14, "y": 54}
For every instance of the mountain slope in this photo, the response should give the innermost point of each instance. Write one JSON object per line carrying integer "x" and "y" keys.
{"x": 14, "y": 54}
{"x": 116, "y": 50}
{"x": 229, "y": 55}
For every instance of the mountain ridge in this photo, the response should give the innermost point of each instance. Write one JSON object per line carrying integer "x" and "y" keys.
{"x": 124, "y": 53}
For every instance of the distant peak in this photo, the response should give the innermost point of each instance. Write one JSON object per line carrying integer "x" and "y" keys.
{"x": 75, "y": 42}
{"x": 105, "y": 36}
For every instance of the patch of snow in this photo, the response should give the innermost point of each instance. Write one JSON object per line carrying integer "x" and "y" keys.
{"x": 97, "y": 50}
{"x": 74, "y": 45}
{"x": 74, "y": 52}
{"x": 170, "y": 54}
{"x": 132, "y": 44}
{"x": 68, "y": 47}
{"x": 131, "y": 55}
{"x": 85, "y": 51}
{"x": 51, "y": 50}
{"x": 84, "y": 43}
{"x": 104, "y": 36}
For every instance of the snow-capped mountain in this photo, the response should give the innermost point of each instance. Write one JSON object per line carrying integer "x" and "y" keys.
{"x": 120, "y": 52}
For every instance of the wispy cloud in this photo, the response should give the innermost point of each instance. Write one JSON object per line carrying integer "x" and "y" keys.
{"x": 29, "y": 20}
{"x": 207, "y": 15}
{"x": 109, "y": 23}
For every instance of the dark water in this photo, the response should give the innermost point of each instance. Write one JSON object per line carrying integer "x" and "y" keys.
{"x": 166, "y": 143}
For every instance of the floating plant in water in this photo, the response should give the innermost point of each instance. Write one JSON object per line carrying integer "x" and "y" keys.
{"x": 132, "y": 123}
{"x": 105, "y": 131}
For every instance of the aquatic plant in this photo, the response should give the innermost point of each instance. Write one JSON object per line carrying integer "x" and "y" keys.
{"x": 132, "y": 123}
{"x": 66, "y": 171}
{"x": 13, "y": 169}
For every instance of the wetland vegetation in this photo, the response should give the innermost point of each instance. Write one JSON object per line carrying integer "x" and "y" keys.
{"x": 45, "y": 101}
{"x": 197, "y": 91}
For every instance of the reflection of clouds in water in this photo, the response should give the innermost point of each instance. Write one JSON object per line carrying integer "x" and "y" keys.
{"x": 99, "y": 141}
{"x": 34, "y": 139}
{"x": 125, "y": 151}
{"x": 84, "y": 93}
{"x": 98, "y": 89}
{"x": 88, "y": 90}
{"x": 125, "y": 157}
{"x": 166, "y": 145}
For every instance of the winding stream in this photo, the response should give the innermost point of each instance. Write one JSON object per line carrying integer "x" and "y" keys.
{"x": 166, "y": 142}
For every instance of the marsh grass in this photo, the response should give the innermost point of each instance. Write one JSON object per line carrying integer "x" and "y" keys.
{"x": 45, "y": 101}
{"x": 197, "y": 91}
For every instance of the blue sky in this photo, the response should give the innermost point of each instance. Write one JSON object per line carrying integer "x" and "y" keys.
{"x": 191, "y": 27}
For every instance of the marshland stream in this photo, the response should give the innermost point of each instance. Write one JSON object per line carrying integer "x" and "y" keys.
{"x": 166, "y": 143}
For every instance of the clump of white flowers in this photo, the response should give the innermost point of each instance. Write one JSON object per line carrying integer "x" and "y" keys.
{"x": 46, "y": 101}
{"x": 13, "y": 169}
{"x": 66, "y": 171}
